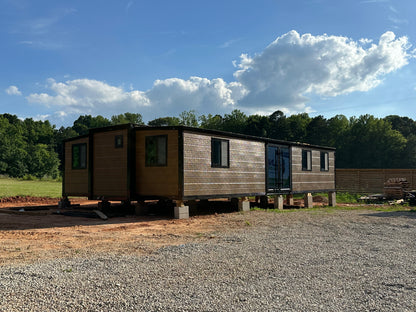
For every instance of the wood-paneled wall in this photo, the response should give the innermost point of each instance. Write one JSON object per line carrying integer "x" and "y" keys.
{"x": 110, "y": 165}
{"x": 370, "y": 180}
{"x": 314, "y": 179}
{"x": 157, "y": 181}
{"x": 76, "y": 180}
{"x": 246, "y": 174}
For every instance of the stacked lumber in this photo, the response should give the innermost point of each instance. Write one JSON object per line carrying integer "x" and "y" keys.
{"x": 394, "y": 188}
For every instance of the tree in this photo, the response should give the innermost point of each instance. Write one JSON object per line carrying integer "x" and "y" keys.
{"x": 298, "y": 126}
{"x": 404, "y": 125}
{"x": 211, "y": 122}
{"x": 235, "y": 121}
{"x": 86, "y": 122}
{"x": 371, "y": 143}
{"x": 188, "y": 118}
{"x": 257, "y": 125}
{"x": 317, "y": 131}
{"x": 126, "y": 118}
{"x": 279, "y": 126}
{"x": 13, "y": 154}
{"x": 164, "y": 121}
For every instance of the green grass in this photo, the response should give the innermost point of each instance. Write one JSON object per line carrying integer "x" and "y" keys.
{"x": 14, "y": 187}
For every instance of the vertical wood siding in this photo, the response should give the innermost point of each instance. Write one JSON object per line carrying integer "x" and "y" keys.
{"x": 76, "y": 180}
{"x": 246, "y": 174}
{"x": 110, "y": 165}
{"x": 371, "y": 180}
{"x": 315, "y": 179}
{"x": 157, "y": 181}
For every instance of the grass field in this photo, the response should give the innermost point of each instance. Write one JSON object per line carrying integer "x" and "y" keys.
{"x": 14, "y": 187}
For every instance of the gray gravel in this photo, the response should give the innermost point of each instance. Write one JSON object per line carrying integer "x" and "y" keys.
{"x": 300, "y": 261}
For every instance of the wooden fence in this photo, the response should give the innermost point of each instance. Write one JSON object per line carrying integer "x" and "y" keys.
{"x": 370, "y": 180}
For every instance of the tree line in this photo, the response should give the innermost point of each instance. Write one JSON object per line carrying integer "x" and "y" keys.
{"x": 30, "y": 148}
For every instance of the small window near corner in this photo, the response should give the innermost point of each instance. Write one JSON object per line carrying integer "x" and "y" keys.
{"x": 156, "y": 151}
{"x": 306, "y": 160}
{"x": 79, "y": 156}
{"x": 220, "y": 153}
{"x": 118, "y": 141}
{"x": 324, "y": 161}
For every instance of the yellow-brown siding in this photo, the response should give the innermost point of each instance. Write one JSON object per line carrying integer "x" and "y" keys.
{"x": 315, "y": 179}
{"x": 246, "y": 174}
{"x": 110, "y": 165}
{"x": 76, "y": 180}
{"x": 157, "y": 181}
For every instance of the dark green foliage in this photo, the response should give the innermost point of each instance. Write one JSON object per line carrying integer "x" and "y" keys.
{"x": 127, "y": 118}
{"x": 27, "y": 148}
{"x": 164, "y": 121}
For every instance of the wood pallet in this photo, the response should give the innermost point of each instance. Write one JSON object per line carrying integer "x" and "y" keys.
{"x": 394, "y": 188}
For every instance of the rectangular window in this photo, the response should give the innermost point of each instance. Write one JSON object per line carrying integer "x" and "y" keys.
{"x": 220, "y": 150}
{"x": 324, "y": 161}
{"x": 79, "y": 156}
{"x": 118, "y": 141}
{"x": 156, "y": 150}
{"x": 306, "y": 160}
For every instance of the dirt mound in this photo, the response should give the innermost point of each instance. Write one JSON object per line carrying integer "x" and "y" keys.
{"x": 24, "y": 201}
{"x": 28, "y": 199}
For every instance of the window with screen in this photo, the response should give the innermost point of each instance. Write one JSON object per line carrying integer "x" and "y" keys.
{"x": 324, "y": 161}
{"x": 79, "y": 156}
{"x": 220, "y": 153}
{"x": 118, "y": 141}
{"x": 306, "y": 160}
{"x": 156, "y": 150}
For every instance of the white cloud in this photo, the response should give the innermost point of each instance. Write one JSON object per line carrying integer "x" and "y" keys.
{"x": 294, "y": 66}
{"x": 82, "y": 96}
{"x": 13, "y": 90}
{"x": 282, "y": 76}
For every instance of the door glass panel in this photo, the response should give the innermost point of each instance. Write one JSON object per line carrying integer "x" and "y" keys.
{"x": 285, "y": 167}
{"x": 278, "y": 168}
{"x": 271, "y": 168}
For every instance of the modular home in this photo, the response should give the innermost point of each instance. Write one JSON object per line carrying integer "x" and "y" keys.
{"x": 134, "y": 163}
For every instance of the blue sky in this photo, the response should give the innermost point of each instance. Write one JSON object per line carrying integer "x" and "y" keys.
{"x": 62, "y": 59}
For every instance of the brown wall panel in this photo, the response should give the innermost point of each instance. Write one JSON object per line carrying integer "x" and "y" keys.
{"x": 157, "y": 181}
{"x": 110, "y": 165}
{"x": 246, "y": 174}
{"x": 314, "y": 180}
{"x": 76, "y": 180}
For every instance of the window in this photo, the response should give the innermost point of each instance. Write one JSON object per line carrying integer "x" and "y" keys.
{"x": 306, "y": 160}
{"x": 79, "y": 156}
{"x": 220, "y": 153}
{"x": 324, "y": 161}
{"x": 156, "y": 150}
{"x": 118, "y": 141}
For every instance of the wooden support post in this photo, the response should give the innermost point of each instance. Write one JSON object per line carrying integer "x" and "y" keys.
{"x": 181, "y": 211}
{"x": 278, "y": 202}
{"x": 243, "y": 204}
{"x": 308, "y": 200}
{"x": 289, "y": 199}
{"x": 332, "y": 198}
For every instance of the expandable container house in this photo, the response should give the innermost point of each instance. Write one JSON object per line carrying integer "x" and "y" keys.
{"x": 130, "y": 163}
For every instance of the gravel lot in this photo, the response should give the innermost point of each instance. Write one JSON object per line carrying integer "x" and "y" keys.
{"x": 340, "y": 260}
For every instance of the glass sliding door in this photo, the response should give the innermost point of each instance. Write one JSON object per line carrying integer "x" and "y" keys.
{"x": 278, "y": 168}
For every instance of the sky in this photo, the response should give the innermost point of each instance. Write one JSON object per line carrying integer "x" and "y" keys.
{"x": 62, "y": 59}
